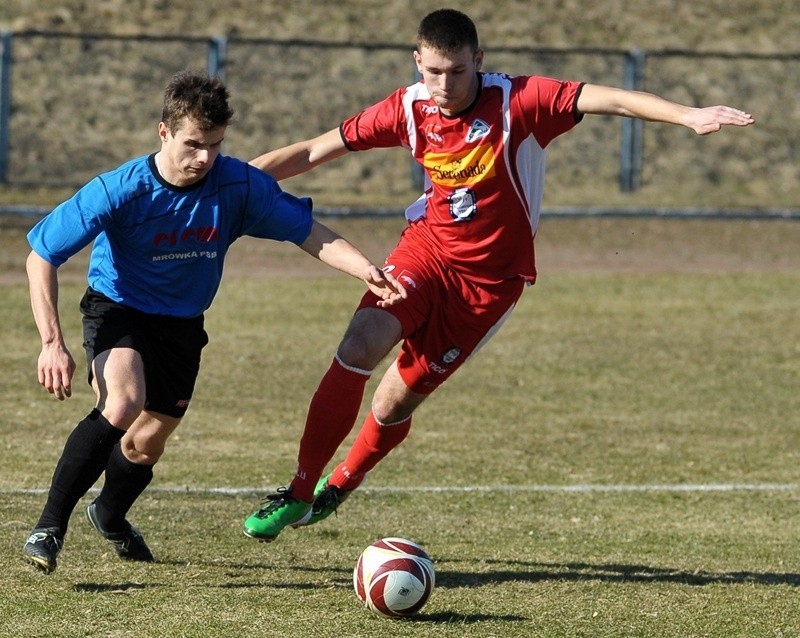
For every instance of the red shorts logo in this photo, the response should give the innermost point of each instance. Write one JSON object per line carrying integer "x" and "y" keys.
{"x": 407, "y": 279}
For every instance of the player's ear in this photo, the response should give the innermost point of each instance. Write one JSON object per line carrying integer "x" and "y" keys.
{"x": 163, "y": 131}
{"x": 478, "y": 59}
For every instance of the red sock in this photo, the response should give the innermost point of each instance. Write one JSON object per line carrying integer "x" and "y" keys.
{"x": 331, "y": 415}
{"x": 373, "y": 442}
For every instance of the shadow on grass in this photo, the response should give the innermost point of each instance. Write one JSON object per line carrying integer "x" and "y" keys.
{"x": 113, "y": 588}
{"x": 483, "y": 574}
{"x": 521, "y": 571}
{"x": 487, "y": 573}
{"x": 466, "y": 619}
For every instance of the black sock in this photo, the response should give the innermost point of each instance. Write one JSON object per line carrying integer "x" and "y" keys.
{"x": 82, "y": 462}
{"x": 125, "y": 481}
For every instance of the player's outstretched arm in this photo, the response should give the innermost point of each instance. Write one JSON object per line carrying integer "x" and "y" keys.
{"x": 605, "y": 100}
{"x": 301, "y": 156}
{"x": 334, "y": 250}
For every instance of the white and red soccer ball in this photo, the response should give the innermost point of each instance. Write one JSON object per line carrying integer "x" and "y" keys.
{"x": 394, "y": 577}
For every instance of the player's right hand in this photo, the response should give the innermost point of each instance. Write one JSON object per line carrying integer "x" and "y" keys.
{"x": 55, "y": 370}
{"x": 385, "y": 286}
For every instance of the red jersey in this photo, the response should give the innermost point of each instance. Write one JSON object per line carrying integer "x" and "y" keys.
{"x": 484, "y": 168}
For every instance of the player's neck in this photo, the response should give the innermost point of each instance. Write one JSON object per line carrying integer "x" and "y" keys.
{"x": 468, "y": 103}
{"x": 158, "y": 166}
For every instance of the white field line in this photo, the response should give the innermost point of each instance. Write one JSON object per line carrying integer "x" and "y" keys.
{"x": 460, "y": 489}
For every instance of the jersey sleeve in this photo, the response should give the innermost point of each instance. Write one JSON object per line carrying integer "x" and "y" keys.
{"x": 272, "y": 213}
{"x": 72, "y": 225}
{"x": 548, "y": 106}
{"x": 381, "y": 125}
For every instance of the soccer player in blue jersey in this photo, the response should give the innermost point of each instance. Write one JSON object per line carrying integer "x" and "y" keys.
{"x": 161, "y": 227}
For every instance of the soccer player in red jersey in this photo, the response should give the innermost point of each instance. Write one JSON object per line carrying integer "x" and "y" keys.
{"x": 465, "y": 256}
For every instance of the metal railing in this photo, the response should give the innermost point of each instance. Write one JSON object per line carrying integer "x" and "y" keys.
{"x": 104, "y": 91}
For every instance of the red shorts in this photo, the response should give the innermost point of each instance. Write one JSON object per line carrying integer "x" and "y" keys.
{"x": 447, "y": 316}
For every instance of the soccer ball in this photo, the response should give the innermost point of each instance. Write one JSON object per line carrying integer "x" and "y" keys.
{"x": 394, "y": 577}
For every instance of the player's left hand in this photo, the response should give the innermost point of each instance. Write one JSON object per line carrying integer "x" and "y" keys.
{"x": 711, "y": 119}
{"x": 385, "y": 286}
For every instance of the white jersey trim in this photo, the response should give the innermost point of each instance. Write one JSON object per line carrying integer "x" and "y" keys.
{"x": 415, "y": 93}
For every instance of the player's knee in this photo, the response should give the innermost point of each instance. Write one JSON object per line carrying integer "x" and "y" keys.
{"x": 141, "y": 450}
{"x": 370, "y": 336}
{"x": 394, "y": 409}
{"x": 357, "y": 351}
{"x": 122, "y": 414}
{"x": 393, "y": 415}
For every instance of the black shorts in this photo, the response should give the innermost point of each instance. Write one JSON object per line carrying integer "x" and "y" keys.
{"x": 170, "y": 348}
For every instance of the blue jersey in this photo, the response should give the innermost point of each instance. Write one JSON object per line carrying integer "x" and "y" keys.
{"x": 159, "y": 248}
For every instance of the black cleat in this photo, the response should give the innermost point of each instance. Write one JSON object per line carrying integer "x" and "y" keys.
{"x": 42, "y": 547}
{"x": 128, "y": 542}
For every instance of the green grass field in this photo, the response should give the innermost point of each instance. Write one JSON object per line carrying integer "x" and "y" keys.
{"x": 621, "y": 460}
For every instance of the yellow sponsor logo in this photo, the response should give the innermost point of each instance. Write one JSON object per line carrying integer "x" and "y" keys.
{"x": 447, "y": 169}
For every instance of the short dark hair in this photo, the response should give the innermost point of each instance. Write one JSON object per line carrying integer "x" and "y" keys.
{"x": 198, "y": 97}
{"x": 448, "y": 31}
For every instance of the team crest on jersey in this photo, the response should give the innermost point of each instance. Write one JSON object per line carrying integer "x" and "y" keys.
{"x": 451, "y": 355}
{"x": 478, "y": 130}
{"x": 463, "y": 204}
